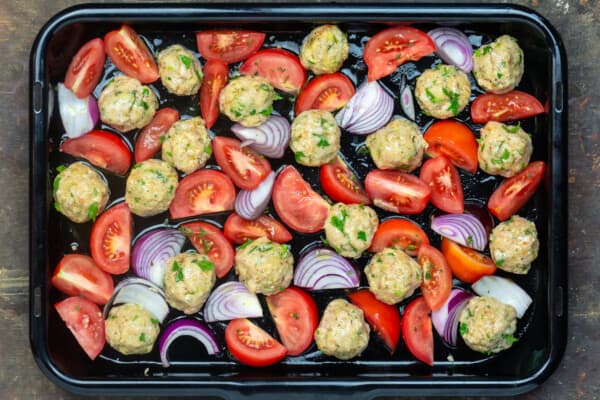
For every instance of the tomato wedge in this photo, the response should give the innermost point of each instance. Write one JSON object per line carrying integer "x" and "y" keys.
{"x": 149, "y": 140}
{"x": 110, "y": 241}
{"x": 510, "y": 106}
{"x": 397, "y": 191}
{"x": 384, "y": 318}
{"x": 202, "y": 192}
{"x": 444, "y": 182}
{"x": 86, "y": 68}
{"x": 78, "y": 275}
{"x": 341, "y": 184}
{"x": 296, "y": 318}
{"x": 328, "y": 92}
{"x": 437, "y": 276}
{"x": 514, "y": 192}
{"x": 246, "y": 168}
{"x": 208, "y": 239}
{"x": 392, "y": 47}
{"x": 216, "y": 74}
{"x": 130, "y": 54}
{"x": 416, "y": 330}
{"x": 280, "y": 67}
{"x": 454, "y": 140}
{"x": 101, "y": 148}
{"x": 228, "y": 46}
{"x": 467, "y": 264}
{"x": 84, "y": 320}
{"x": 239, "y": 230}
{"x": 400, "y": 233}
{"x": 297, "y": 204}
{"x": 251, "y": 345}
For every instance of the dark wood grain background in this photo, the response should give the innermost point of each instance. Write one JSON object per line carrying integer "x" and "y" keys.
{"x": 578, "y": 21}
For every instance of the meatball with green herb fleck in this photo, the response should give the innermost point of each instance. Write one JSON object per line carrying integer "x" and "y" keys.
{"x": 188, "y": 280}
{"x": 247, "y": 100}
{"x": 180, "y": 70}
{"x": 150, "y": 187}
{"x": 503, "y": 150}
{"x": 443, "y": 92}
{"x": 131, "y": 329}
{"x": 187, "y": 145}
{"x": 498, "y": 67}
{"x": 398, "y": 145}
{"x": 349, "y": 229}
{"x": 514, "y": 245}
{"x": 324, "y": 50}
{"x": 315, "y": 138}
{"x": 393, "y": 275}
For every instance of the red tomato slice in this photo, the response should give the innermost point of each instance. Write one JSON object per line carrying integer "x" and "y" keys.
{"x": 246, "y": 168}
{"x": 509, "y": 106}
{"x": 328, "y": 92}
{"x": 341, "y": 184}
{"x": 467, "y": 264}
{"x": 239, "y": 230}
{"x": 384, "y": 318}
{"x": 514, "y": 192}
{"x": 392, "y": 47}
{"x": 280, "y": 67}
{"x": 130, "y": 54}
{"x": 297, "y": 204}
{"x": 149, "y": 140}
{"x": 397, "y": 191}
{"x": 437, "y": 276}
{"x": 444, "y": 182}
{"x": 416, "y": 330}
{"x": 101, "y": 148}
{"x": 228, "y": 46}
{"x": 216, "y": 74}
{"x": 84, "y": 320}
{"x": 400, "y": 233}
{"x": 110, "y": 241}
{"x": 296, "y": 318}
{"x": 86, "y": 68}
{"x": 251, "y": 345}
{"x": 208, "y": 239}
{"x": 203, "y": 192}
{"x": 455, "y": 141}
{"x": 78, "y": 275}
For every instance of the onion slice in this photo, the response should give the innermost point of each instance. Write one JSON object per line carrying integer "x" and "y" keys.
{"x": 505, "y": 291}
{"x": 250, "y": 204}
{"x": 464, "y": 229}
{"x": 78, "y": 116}
{"x": 322, "y": 268}
{"x": 152, "y": 250}
{"x": 369, "y": 109}
{"x": 445, "y": 320}
{"x": 187, "y": 327}
{"x": 453, "y": 47}
{"x": 231, "y": 300}
{"x": 139, "y": 291}
{"x": 269, "y": 139}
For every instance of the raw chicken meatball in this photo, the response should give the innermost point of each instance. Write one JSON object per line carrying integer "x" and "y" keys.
{"x": 399, "y": 144}
{"x": 498, "y": 66}
{"x": 180, "y": 70}
{"x": 247, "y": 100}
{"x": 349, "y": 229}
{"x": 187, "y": 145}
{"x": 189, "y": 278}
{"x": 150, "y": 187}
{"x": 393, "y": 275}
{"x": 503, "y": 150}
{"x": 443, "y": 92}
{"x": 315, "y": 138}
{"x": 131, "y": 329}
{"x": 514, "y": 245}
{"x": 324, "y": 50}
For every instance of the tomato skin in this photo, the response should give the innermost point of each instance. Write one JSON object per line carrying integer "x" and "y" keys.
{"x": 149, "y": 140}
{"x": 251, "y": 345}
{"x": 454, "y": 140}
{"x": 246, "y": 168}
{"x": 406, "y": 44}
{"x": 397, "y": 191}
{"x": 78, "y": 275}
{"x": 437, "y": 276}
{"x": 296, "y": 318}
{"x": 112, "y": 233}
{"x": 341, "y": 184}
{"x": 445, "y": 184}
{"x": 514, "y": 192}
{"x": 384, "y": 318}
{"x": 239, "y": 230}
{"x": 417, "y": 331}
{"x": 280, "y": 67}
{"x": 130, "y": 54}
{"x": 101, "y": 148}
{"x": 511, "y": 106}
{"x": 86, "y": 68}
{"x": 327, "y": 92}
{"x": 401, "y": 233}
{"x": 84, "y": 320}
{"x": 216, "y": 75}
{"x": 467, "y": 264}
{"x": 297, "y": 204}
{"x": 237, "y": 45}
{"x": 208, "y": 239}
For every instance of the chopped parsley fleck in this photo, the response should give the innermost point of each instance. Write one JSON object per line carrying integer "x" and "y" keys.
{"x": 500, "y": 262}
{"x": 298, "y": 156}
{"x": 154, "y": 321}
{"x": 362, "y": 236}
{"x": 431, "y": 96}
{"x": 322, "y": 139}
{"x": 185, "y": 60}
{"x": 499, "y": 75}
{"x": 399, "y": 293}
{"x": 56, "y": 183}
{"x": 510, "y": 339}
{"x": 77, "y": 308}
{"x": 512, "y": 128}
{"x": 60, "y": 168}
{"x": 486, "y": 50}
{"x": 93, "y": 211}
{"x": 362, "y": 150}
{"x": 144, "y": 105}
{"x": 175, "y": 267}
{"x": 469, "y": 240}
{"x": 185, "y": 231}
{"x": 453, "y": 96}
{"x": 338, "y": 221}
{"x": 208, "y": 149}
{"x": 205, "y": 265}
{"x": 295, "y": 315}
{"x": 265, "y": 87}
{"x": 245, "y": 244}
{"x": 142, "y": 337}
{"x": 56, "y": 206}
{"x": 411, "y": 247}
{"x": 163, "y": 138}
{"x": 324, "y": 241}
{"x": 463, "y": 329}
{"x": 267, "y": 111}
{"x": 146, "y": 91}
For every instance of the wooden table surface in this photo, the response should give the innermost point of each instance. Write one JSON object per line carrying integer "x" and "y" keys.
{"x": 577, "y": 377}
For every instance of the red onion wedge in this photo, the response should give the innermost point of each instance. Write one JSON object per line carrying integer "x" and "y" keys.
{"x": 78, "y": 116}
{"x": 231, "y": 300}
{"x": 445, "y": 320}
{"x": 322, "y": 268}
{"x": 505, "y": 291}
{"x": 250, "y": 204}
{"x": 464, "y": 229}
{"x": 369, "y": 109}
{"x": 269, "y": 139}
{"x": 139, "y": 291}
{"x": 453, "y": 47}
{"x": 187, "y": 327}
{"x": 152, "y": 250}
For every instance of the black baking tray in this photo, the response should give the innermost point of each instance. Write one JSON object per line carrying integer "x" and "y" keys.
{"x": 375, "y": 373}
